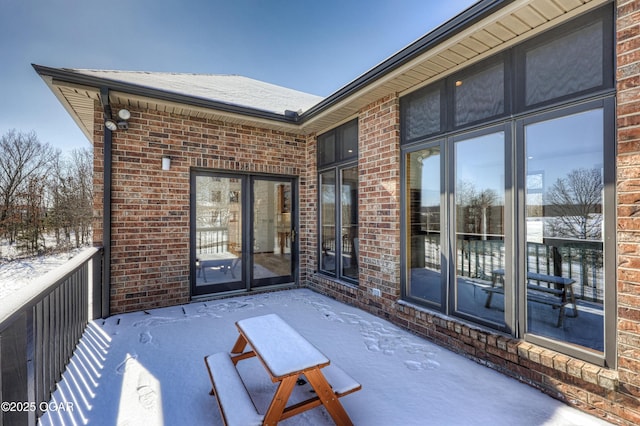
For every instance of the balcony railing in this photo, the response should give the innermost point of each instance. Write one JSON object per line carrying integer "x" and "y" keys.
{"x": 571, "y": 258}
{"x": 212, "y": 239}
{"x": 40, "y": 326}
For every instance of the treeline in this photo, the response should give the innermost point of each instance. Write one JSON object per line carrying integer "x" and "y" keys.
{"x": 46, "y": 197}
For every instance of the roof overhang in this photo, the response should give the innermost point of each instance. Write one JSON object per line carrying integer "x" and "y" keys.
{"x": 486, "y": 28}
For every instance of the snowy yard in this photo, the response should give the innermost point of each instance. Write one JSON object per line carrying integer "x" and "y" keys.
{"x": 16, "y": 272}
{"x": 146, "y": 368}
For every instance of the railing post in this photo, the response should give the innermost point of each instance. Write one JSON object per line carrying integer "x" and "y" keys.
{"x": 30, "y": 367}
{"x": 96, "y": 286}
{"x": 14, "y": 373}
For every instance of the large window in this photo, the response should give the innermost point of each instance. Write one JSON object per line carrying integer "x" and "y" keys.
{"x": 479, "y": 192}
{"x": 509, "y": 204}
{"x": 563, "y": 197}
{"x": 425, "y": 245}
{"x": 338, "y": 183}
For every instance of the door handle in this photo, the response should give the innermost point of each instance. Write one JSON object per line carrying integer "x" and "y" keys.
{"x": 293, "y": 235}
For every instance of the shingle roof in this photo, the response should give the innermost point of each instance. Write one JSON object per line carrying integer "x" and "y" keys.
{"x": 230, "y": 89}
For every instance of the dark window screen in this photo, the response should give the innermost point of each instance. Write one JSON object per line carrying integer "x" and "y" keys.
{"x": 565, "y": 66}
{"x": 422, "y": 114}
{"x": 480, "y": 95}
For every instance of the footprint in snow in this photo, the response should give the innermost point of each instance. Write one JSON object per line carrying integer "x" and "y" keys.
{"x": 147, "y": 396}
{"x": 122, "y": 367}
{"x": 425, "y": 365}
{"x": 145, "y": 337}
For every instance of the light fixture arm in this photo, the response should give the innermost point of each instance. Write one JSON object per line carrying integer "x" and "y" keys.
{"x": 110, "y": 122}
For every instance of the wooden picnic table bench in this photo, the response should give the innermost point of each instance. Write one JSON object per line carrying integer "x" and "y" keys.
{"x": 222, "y": 261}
{"x": 558, "y": 296}
{"x": 286, "y": 356}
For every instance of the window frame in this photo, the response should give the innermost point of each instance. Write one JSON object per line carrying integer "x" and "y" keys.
{"x": 474, "y": 70}
{"x": 338, "y": 135}
{"x": 604, "y": 16}
{"x": 405, "y": 265}
{"x": 516, "y": 113}
{"x": 452, "y": 286}
{"x": 337, "y": 166}
{"x": 607, "y": 104}
{"x": 404, "y": 106}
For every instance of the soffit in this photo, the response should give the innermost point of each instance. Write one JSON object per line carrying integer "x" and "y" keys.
{"x": 505, "y": 28}
{"x": 143, "y": 102}
{"x": 79, "y": 101}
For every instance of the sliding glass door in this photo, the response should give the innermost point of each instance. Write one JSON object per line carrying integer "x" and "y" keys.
{"x": 217, "y": 234}
{"x": 272, "y": 232}
{"x": 242, "y": 233}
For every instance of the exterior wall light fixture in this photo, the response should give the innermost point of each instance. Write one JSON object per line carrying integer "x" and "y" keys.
{"x": 121, "y": 124}
{"x": 166, "y": 163}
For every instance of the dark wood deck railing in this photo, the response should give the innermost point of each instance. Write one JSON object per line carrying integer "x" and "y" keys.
{"x": 40, "y": 326}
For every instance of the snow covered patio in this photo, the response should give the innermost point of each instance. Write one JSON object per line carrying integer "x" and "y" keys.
{"x": 147, "y": 368}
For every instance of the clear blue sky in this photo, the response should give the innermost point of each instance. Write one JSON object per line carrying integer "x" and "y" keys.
{"x": 312, "y": 46}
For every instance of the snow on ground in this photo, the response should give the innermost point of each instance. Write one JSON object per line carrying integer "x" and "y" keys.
{"x": 16, "y": 272}
{"x": 146, "y": 368}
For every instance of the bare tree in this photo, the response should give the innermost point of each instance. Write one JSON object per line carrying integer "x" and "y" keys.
{"x": 71, "y": 198}
{"x": 475, "y": 208}
{"x": 575, "y": 203}
{"x": 23, "y": 161}
{"x": 31, "y": 229}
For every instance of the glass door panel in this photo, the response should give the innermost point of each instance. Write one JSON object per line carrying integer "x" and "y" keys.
{"x": 479, "y": 226}
{"x": 218, "y": 234}
{"x": 425, "y": 248}
{"x": 564, "y": 220}
{"x": 272, "y": 232}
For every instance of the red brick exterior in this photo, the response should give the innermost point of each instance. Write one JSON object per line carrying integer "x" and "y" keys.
{"x": 628, "y": 180}
{"x": 150, "y": 207}
{"x": 150, "y": 235}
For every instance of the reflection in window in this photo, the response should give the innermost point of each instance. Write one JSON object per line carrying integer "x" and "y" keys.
{"x": 349, "y": 222}
{"x": 564, "y": 223}
{"x": 327, "y": 148}
{"x": 479, "y": 195}
{"x": 328, "y": 219}
{"x": 348, "y": 140}
{"x": 423, "y": 183}
{"x": 218, "y": 227}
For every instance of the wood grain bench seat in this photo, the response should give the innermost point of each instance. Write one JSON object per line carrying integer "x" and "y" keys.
{"x": 341, "y": 383}
{"x": 234, "y": 401}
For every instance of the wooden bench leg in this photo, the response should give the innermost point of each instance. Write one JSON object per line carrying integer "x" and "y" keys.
{"x": 560, "y": 316}
{"x": 239, "y": 346}
{"x": 328, "y": 397}
{"x": 572, "y": 300}
{"x": 279, "y": 402}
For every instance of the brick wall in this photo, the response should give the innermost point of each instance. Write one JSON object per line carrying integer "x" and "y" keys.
{"x": 150, "y": 207}
{"x": 379, "y": 197}
{"x": 378, "y": 211}
{"x": 628, "y": 176}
